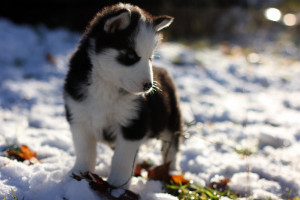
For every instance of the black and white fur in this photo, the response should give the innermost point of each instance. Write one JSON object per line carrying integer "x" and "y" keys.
{"x": 110, "y": 96}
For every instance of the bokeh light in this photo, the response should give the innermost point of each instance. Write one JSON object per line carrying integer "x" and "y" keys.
{"x": 290, "y": 19}
{"x": 273, "y": 14}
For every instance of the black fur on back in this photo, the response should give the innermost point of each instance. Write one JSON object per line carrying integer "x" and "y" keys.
{"x": 159, "y": 110}
{"x": 164, "y": 104}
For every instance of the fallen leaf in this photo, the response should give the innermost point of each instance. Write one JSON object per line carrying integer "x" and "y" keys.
{"x": 50, "y": 58}
{"x": 160, "y": 173}
{"x": 179, "y": 179}
{"x": 22, "y": 153}
{"x": 26, "y": 153}
{"x": 139, "y": 167}
{"x": 221, "y": 185}
{"x": 104, "y": 188}
{"x": 138, "y": 170}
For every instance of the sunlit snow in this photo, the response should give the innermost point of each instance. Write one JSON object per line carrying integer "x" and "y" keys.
{"x": 232, "y": 103}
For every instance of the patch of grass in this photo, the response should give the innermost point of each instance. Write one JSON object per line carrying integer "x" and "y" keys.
{"x": 243, "y": 151}
{"x": 13, "y": 195}
{"x": 12, "y": 148}
{"x": 196, "y": 192}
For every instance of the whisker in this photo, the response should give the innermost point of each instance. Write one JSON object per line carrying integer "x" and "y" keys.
{"x": 156, "y": 85}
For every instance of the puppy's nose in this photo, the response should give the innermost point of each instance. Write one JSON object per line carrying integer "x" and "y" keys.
{"x": 147, "y": 86}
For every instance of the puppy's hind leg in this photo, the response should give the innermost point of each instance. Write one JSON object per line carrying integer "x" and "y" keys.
{"x": 85, "y": 149}
{"x": 170, "y": 149}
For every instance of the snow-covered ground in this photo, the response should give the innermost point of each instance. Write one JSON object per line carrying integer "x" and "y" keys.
{"x": 233, "y": 105}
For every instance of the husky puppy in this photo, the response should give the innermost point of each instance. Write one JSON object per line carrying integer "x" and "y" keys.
{"x": 113, "y": 94}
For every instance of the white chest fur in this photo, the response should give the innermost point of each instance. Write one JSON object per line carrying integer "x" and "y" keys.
{"x": 105, "y": 107}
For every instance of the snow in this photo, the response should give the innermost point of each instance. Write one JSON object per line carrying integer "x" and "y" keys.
{"x": 230, "y": 103}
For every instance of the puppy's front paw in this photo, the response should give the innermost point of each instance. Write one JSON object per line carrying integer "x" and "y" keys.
{"x": 119, "y": 180}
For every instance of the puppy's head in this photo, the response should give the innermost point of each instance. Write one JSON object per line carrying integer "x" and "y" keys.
{"x": 122, "y": 40}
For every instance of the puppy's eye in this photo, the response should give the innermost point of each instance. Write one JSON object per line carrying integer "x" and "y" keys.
{"x": 128, "y": 57}
{"x": 131, "y": 56}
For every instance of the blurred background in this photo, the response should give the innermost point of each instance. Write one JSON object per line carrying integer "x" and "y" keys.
{"x": 237, "y": 21}
{"x": 236, "y": 64}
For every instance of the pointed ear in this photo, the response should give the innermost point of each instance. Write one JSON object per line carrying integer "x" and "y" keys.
{"x": 119, "y": 21}
{"x": 162, "y": 22}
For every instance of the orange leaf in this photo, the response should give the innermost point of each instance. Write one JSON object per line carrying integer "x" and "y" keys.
{"x": 179, "y": 179}
{"x": 26, "y": 153}
{"x": 139, "y": 167}
{"x": 22, "y": 153}
{"x": 138, "y": 170}
{"x": 161, "y": 173}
